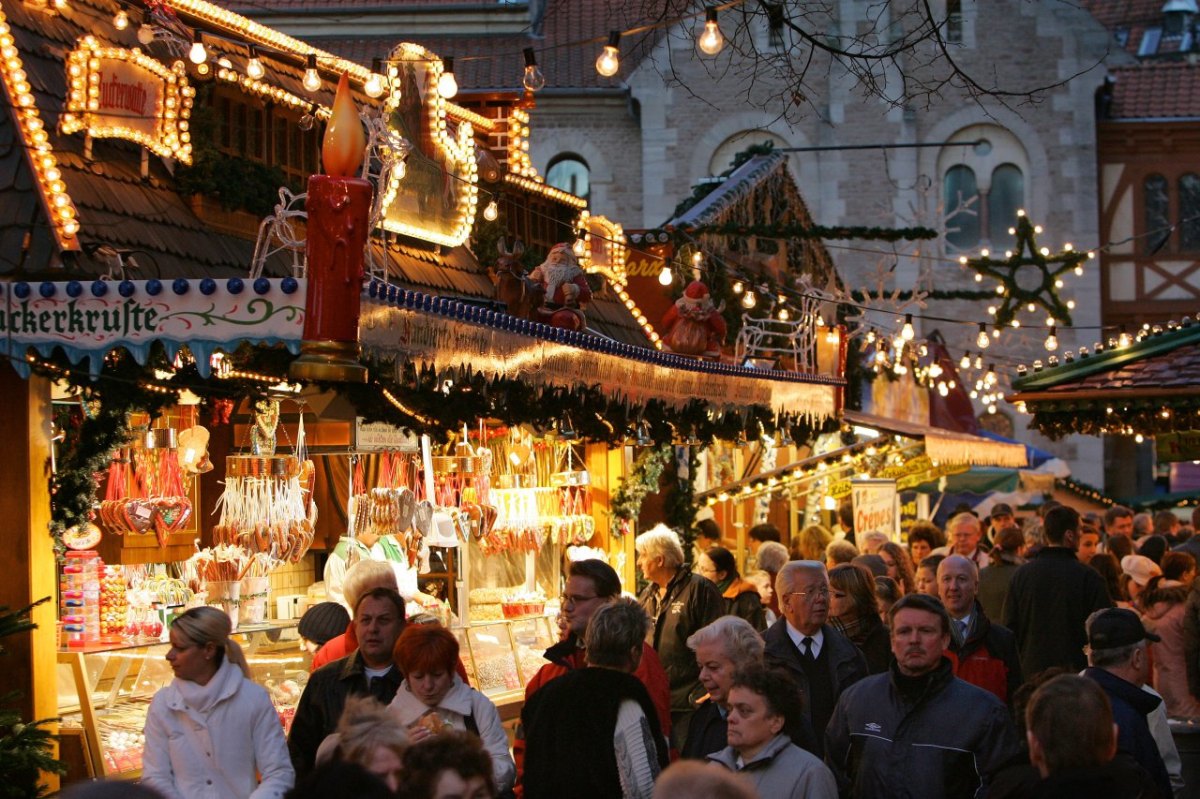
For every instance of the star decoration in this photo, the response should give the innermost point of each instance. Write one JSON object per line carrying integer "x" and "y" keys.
{"x": 1029, "y": 275}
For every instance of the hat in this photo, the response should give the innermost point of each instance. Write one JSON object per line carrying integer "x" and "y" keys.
{"x": 323, "y": 621}
{"x": 1001, "y": 509}
{"x": 1117, "y": 627}
{"x": 1140, "y": 568}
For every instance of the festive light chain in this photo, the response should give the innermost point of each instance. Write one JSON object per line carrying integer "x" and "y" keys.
{"x": 173, "y": 108}
{"x": 60, "y": 209}
{"x": 1121, "y": 342}
{"x": 273, "y": 93}
{"x": 546, "y": 191}
{"x": 519, "y": 162}
{"x": 460, "y": 150}
{"x": 612, "y": 240}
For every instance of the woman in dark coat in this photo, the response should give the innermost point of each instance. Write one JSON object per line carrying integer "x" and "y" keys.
{"x": 741, "y": 596}
{"x": 854, "y": 610}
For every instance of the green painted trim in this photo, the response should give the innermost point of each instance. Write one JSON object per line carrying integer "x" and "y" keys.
{"x": 1108, "y": 360}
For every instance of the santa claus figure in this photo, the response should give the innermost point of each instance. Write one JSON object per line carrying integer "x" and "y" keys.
{"x": 567, "y": 290}
{"x": 693, "y": 325}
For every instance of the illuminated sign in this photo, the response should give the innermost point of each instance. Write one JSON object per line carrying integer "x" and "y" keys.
{"x": 433, "y": 197}
{"x": 126, "y": 94}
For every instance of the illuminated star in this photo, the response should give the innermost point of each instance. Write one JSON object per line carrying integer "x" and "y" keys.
{"x": 1029, "y": 276}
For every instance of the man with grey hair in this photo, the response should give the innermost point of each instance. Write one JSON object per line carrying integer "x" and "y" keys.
{"x": 965, "y": 533}
{"x": 678, "y": 603}
{"x": 1119, "y": 662}
{"x": 985, "y": 653}
{"x": 822, "y": 660}
{"x": 594, "y": 732}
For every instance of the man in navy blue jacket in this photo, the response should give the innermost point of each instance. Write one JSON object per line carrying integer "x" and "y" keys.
{"x": 1120, "y": 664}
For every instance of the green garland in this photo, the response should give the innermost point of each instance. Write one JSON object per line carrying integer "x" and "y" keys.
{"x": 679, "y": 499}
{"x": 643, "y": 479}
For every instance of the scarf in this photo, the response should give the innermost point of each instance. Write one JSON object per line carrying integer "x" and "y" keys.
{"x": 855, "y": 628}
{"x": 201, "y": 698}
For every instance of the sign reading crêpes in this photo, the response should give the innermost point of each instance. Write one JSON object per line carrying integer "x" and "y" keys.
{"x": 432, "y": 196}
{"x": 125, "y": 94}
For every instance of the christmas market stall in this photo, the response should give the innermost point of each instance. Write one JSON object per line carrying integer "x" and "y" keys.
{"x": 259, "y": 328}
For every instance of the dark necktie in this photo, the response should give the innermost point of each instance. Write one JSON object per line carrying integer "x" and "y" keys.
{"x": 807, "y": 650}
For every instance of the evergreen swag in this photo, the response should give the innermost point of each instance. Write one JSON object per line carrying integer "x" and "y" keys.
{"x": 643, "y": 479}
{"x": 26, "y": 748}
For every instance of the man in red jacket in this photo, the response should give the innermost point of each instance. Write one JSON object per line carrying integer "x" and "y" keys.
{"x": 592, "y": 584}
{"x": 984, "y": 653}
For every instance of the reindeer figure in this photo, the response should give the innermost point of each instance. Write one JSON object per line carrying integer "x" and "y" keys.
{"x": 521, "y": 295}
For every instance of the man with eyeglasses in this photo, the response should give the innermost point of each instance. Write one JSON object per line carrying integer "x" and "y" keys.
{"x": 591, "y": 584}
{"x": 823, "y": 661}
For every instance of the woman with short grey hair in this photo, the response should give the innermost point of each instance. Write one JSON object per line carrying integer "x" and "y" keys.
{"x": 723, "y": 648}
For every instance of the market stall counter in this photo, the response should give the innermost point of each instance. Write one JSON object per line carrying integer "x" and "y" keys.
{"x": 104, "y": 691}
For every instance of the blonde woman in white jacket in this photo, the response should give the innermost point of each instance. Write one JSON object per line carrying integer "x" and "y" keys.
{"x": 212, "y": 731}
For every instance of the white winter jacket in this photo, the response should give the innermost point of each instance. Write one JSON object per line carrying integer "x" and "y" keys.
{"x": 219, "y": 753}
{"x": 461, "y": 702}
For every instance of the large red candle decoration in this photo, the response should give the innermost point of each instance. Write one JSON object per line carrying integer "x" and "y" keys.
{"x": 338, "y": 217}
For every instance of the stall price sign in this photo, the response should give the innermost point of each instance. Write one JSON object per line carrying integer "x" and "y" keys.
{"x": 876, "y": 506}
{"x": 126, "y": 94}
{"x": 381, "y": 436}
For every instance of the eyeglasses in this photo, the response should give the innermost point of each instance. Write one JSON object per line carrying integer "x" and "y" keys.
{"x": 574, "y": 599}
{"x": 819, "y": 593}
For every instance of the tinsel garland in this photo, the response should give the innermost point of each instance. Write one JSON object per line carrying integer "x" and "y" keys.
{"x": 632, "y": 489}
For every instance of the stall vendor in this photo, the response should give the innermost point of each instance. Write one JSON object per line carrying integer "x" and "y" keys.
{"x": 368, "y": 546}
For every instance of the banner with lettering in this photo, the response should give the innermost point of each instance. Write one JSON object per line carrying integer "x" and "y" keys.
{"x": 125, "y": 94}
{"x": 643, "y": 265}
{"x": 88, "y": 319}
{"x": 876, "y": 506}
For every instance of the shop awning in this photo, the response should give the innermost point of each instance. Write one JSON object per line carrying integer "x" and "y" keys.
{"x": 1149, "y": 387}
{"x": 947, "y": 446}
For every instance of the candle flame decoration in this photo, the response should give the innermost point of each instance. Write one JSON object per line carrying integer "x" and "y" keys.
{"x": 344, "y": 145}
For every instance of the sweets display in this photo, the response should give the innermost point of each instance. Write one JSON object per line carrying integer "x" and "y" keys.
{"x": 79, "y": 603}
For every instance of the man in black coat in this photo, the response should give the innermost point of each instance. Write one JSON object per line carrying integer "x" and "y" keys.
{"x": 822, "y": 660}
{"x": 369, "y": 670}
{"x": 678, "y": 603}
{"x": 1051, "y": 597}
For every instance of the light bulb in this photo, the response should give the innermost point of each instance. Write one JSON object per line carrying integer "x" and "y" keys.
{"x": 1052, "y": 339}
{"x": 711, "y": 41}
{"x": 738, "y": 288}
{"x": 579, "y": 247}
{"x": 965, "y": 363}
{"x": 145, "y": 34}
{"x": 982, "y": 339}
{"x": 784, "y": 315}
{"x": 491, "y": 211}
{"x": 447, "y": 84}
{"x": 197, "y": 55}
{"x": 374, "y": 83}
{"x": 979, "y": 360}
{"x": 312, "y": 79}
{"x": 907, "y": 333}
{"x": 609, "y": 61}
{"x": 533, "y": 79}
{"x": 1123, "y": 339}
{"x": 121, "y": 20}
{"x": 254, "y": 66}
{"x": 749, "y": 300}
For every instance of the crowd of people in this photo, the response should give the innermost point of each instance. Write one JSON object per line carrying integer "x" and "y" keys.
{"x": 994, "y": 658}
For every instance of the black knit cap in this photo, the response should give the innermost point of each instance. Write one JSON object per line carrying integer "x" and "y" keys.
{"x": 323, "y": 621}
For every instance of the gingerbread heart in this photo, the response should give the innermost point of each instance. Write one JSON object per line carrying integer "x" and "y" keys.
{"x": 423, "y": 517}
{"x": 138, "y": 515}
{"x": 173, "y": 513}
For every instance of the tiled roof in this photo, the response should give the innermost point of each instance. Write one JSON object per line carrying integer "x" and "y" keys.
{"x": 575, "y": 32}
{"x": 1156, "y": 90}
{"x": 1163, "y": 364}
{"x": 1131, "y": 19}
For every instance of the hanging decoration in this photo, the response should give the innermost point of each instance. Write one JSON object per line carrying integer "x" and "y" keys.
{"x": 643, "y": 479}
{"x": 1029, "y": 277}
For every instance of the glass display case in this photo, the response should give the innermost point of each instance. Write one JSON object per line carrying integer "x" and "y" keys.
{"x": 502, "y": 657}
{"x": 104, "y": 692}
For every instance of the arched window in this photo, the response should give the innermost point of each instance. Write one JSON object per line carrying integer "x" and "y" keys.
{"x": 1189, "y": 212}
{"x": 1006, "y": 197}
{"x": 962, "y": 221}
{"x": 570, "y": 172}
{"x": 1155, "y": 212}
{"x": 983, "y": 172}
{"x": 722, "y": 157}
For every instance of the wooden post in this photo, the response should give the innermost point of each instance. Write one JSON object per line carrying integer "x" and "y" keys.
{"x": 26, "y": 550}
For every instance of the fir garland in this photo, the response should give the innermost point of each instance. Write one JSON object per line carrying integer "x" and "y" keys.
{"x": 679, "y": 500}
{"x": 643, "y": 479}
{"x": 684, "y": 232}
